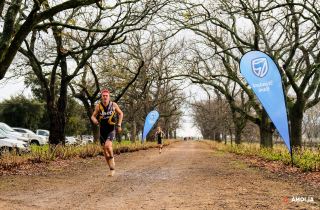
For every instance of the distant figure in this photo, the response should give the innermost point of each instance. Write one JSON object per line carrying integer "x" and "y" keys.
{"x": 159, "y": 136}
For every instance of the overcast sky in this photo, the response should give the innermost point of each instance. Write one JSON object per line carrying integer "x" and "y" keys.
{"x": 13, "y": 88}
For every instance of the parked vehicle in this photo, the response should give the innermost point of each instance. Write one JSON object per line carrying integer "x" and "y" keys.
{"x": 70, "y": 140}
{"x": 8, "y": 145}
{"x": 33, "y": 138}
{"x": 12, "y": 134}
{"x": 43, "y": 132}
{"x": 85, "y": 139}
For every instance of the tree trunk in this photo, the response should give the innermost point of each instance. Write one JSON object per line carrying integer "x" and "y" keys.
{"x": 133, "y": 132}
{"x": 95, "y": 132}
{"x": 57, "y": 112}
{"x": 94, "y": 128}
{"x": 217, "y": 137}
{"x": 237, "y": 134}
{"x": 266, "y": 131}
{"x": 239, "y": 123}
{"x": 231, "y": 135}
{"x": 89, "y": 110}
{"x": 57, "y": 126}
{"x": 296, "y": 117}
{"x": 170, "y": 134}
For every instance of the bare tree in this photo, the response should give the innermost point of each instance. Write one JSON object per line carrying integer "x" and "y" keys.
{"x": 87, "y": 90}
{"x": 152, "y": 90}
{"x": 133, "y": 72}
{"x": 285, "y": 30}
{"x": 211, "y": 117}
{"x": 18, "y": 18}
{"x": 311, "y": 124}
{"x": 219, "y": 74}
{"x": 57, "y": 63}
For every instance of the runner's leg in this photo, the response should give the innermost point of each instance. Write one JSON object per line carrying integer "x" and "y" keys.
{"x": 106, "y": 153}
{"x": 110, "y": 161}
{"x": 109, "y": 151}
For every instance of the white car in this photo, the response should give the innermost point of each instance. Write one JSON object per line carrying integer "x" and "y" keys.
{"x": 42, "y": 132}
{"x": 70, "y": 140}
{"x": 12, "y": 134}
{"x": 85, "y": 139}
{"x": 33, "y": 138}
{"x": 7, "y": 144}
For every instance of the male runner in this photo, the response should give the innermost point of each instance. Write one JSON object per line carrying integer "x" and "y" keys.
{"x": 105, "y": 111}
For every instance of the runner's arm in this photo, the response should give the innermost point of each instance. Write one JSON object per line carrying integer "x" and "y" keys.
{"x": 119, "y": 112}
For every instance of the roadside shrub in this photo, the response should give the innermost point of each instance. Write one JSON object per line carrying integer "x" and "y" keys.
{"x": 305, "y": 158}
{"x": 44, "y": 154}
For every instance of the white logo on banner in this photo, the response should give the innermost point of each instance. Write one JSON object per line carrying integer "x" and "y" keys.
{"x": 152, "y": 118}
{"x": 260, "y": 67}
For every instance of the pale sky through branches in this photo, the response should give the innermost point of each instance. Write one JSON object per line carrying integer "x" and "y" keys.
{"x": 16, "y": 87}
{"x": 194, "y": 93}
{"x": 13, "y": 88}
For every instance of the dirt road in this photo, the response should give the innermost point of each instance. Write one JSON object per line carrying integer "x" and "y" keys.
{"x": 187, "y": 175}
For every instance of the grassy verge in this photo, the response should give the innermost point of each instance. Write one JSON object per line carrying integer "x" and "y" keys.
{"x": 42, "y": 154}
{"x": 306, "y": 159}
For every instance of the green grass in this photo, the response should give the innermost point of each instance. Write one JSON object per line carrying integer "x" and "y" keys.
{"x": 306, "y": 159}
{"x": 43, "y": 154}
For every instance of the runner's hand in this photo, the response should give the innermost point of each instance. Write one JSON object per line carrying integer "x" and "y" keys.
{"x": 96, "y": 122}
